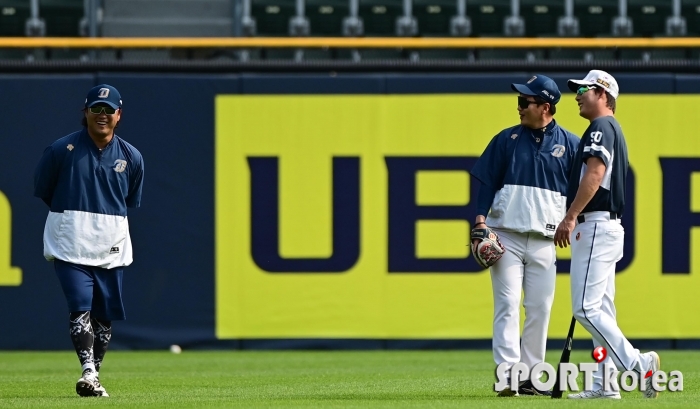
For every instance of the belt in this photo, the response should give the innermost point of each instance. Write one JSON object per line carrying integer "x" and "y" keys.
{"x": 597, "y": 216}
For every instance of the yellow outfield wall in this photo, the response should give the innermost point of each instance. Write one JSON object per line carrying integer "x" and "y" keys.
{"x": 304, "y": 134}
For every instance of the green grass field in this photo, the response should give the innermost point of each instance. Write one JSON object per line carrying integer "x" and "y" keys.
{"x": 432, "y": 379}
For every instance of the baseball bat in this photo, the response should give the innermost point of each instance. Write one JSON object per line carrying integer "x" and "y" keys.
{"x": 565, "y": 355}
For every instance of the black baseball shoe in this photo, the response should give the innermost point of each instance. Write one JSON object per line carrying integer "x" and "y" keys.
{"x": 526, "y": 388}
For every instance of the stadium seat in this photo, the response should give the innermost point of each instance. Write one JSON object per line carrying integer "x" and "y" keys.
{"x": 604, "y": 54}
{"x": 318, "y": 54}
{"x": 326, "y": 16}
{"x": 290, "y": 54}
{"x": 382, "y": 54}
{"x": 509, "y": 54}
{"x": 651, "y": 53}
{"x": 62, "y": 17}
{"x": 13, "y": 54}
{"x": 277, "y": 54}
{"x": 13, "y": 14}
{"x": 167, "y": 18}
{"x": 649, "y": 16}
{"x": 379, "y": 16}
{"x": 343, "y": 54}
{"x": 487, "y": 16}
{"x": 581, "y": 54}
{"x": 668, "y": 53}
{"x": 251, "y": 54}
{"x": 434, "y": 16}
{"x": 65, "y": 53}
{"x": 690, "y": 9}
{"x": 541, "y": 16}
{"x": 151, "y": 55}
{"x": 447, "y": 54}
{"x": 567, "y": 54}
{"x": 272, "y": 16}
{"x": 595, "y": 16}
{"x": 633, "y": 53}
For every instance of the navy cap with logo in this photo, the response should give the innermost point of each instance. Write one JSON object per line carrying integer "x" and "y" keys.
{"x": 540, "y": 86}
{"x": 105, "y": 94}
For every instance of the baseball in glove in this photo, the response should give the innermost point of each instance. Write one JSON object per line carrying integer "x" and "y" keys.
{"x": 487, "y": 249}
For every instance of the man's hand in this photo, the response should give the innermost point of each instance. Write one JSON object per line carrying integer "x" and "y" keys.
{"x": 486, "y": 247}
{"x": 562, "y": 237}
{"x": 479, "y": 223}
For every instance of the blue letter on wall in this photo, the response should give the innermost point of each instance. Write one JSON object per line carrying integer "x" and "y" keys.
{"x": 404, "y": 213}
{"x": 628, "y": 223}
{"x": 264, "y": 223}
{"x": 678, "y": 218}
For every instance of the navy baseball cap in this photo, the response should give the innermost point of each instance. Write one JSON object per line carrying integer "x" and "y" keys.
{"x": 105, "y": 94}
{"x": 539, "y": 86}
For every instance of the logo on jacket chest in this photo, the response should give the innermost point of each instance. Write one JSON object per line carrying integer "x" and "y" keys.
{"x": 558, "y": 151}
{"x": 119, "y": 165}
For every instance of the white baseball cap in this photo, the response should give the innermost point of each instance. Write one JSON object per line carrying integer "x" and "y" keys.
{"x": 600, "y": 79}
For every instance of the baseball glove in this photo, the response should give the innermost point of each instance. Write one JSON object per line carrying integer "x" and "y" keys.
{"x": 488, "y": 249}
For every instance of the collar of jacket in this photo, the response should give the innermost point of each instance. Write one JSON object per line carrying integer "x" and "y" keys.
{"x": 546, "y": 131}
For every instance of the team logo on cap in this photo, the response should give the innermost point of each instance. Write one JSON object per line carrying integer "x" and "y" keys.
{"x": 103, "y": 93}
{"x": 603, "y": 82}
{"x": 532, "y": 79}
{"x": 558, "y": 151}
{"x": 119, "y": 165}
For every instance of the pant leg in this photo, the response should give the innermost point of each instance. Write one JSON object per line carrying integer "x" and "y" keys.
{"x": 538, "y": 287}
{"x": 107, "y": 303}
{"x": 77, "y": 283}
{"x": 506, "y": 280}
{"x": 608, "y": 307}
{"x": 596, "y": 249}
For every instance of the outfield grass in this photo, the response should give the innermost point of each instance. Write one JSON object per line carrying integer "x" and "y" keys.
{"x": 430, "y": 379}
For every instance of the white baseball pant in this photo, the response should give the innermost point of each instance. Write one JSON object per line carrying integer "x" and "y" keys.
{"x": 596, "y": 246}
{"x": 526, "y": 267}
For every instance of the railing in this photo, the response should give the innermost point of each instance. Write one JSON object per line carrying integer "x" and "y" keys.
{"x": 343, "y": 42}
{"x": 235, "y": 47}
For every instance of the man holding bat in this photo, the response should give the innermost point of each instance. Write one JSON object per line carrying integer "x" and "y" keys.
{"x": 595, "y": 203}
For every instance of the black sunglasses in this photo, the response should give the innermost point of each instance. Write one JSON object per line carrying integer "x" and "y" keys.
{"x": 99, "y": 110}
{"x": 523, "y": 103}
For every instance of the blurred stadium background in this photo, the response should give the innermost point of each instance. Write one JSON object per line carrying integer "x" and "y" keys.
{"x": 306, "y": 162}
{"x": 593, "y": 20}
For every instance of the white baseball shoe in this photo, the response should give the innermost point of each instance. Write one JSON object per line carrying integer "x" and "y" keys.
{"x": 99, "y": 389}
{"x": 599, "y": 394}
{"x": 507, "y": 393}
{"x": 654, "y": 366}
{"x": 86, "y": 384}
